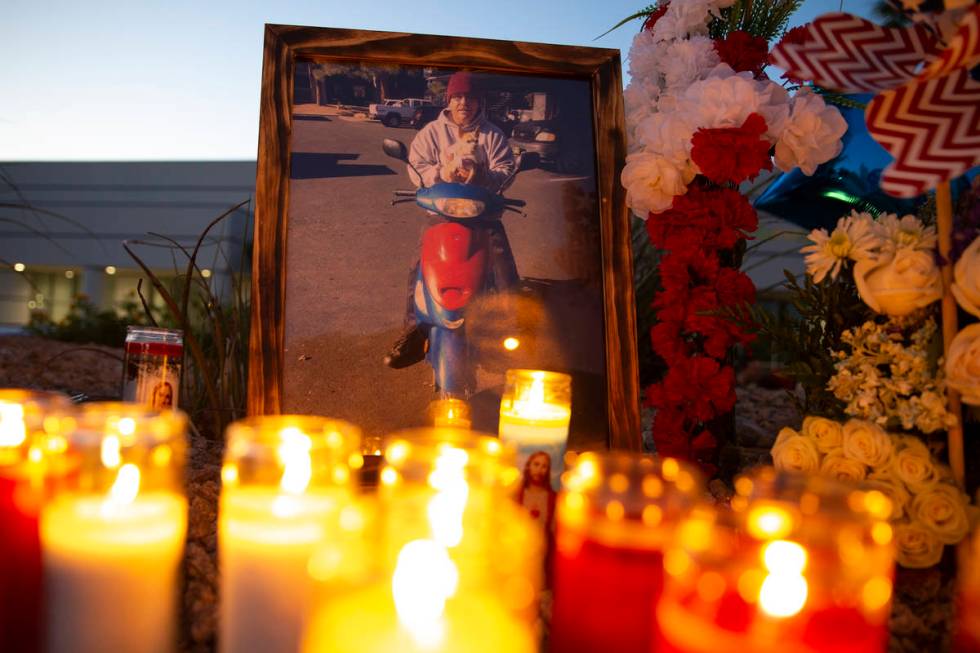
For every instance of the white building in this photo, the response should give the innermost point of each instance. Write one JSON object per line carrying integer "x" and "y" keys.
{"x": 71, "y": 239}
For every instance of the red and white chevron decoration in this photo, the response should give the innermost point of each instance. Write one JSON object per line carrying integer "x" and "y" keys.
{"x": 963, "y": 50}
{"x": 849, "y": 54}
{"x": 931, "y": 127}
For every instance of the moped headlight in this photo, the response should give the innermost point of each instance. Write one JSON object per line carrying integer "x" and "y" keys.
{"x": 546, "y": 137}
{"x": 458, "y": 207}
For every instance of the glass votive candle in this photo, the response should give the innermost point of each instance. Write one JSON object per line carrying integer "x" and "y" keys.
{"x": 800, "y": 563}
{"x": 615, "y": 514}
{"x": 452, "y": 412}
{"x": 24, "y": 460}
{"x": 535, "y": 410}
{"x": 283, "y": 478}
{"x": 112, "y": 534}
{"x": 967, "y": 634}
{"x": 450, "y": 563}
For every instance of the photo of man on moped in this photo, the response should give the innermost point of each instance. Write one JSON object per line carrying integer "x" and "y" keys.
{"x": 461, "y": 146}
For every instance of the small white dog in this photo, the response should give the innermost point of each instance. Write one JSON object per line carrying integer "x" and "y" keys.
{"x": 461, "y": 161}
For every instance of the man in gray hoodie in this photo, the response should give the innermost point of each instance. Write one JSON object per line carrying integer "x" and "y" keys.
{"x": 460, "y": 146}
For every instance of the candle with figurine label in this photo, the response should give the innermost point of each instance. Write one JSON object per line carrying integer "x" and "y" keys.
{"x": 283, "y": 478}
{"x": 800, "y": 564}
{"x": 112, "y": 536}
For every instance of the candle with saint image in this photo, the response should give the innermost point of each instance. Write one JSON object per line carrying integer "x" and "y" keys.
{"x": 800, "y": 564}
{"x": 616, "y": 512}
{"x": 113, "y": 533}
{"x": 24, "y": 459}
{"x": 442, "y": 562}
{"x": 282, "y": 480}
{"x": 534, "y": 413}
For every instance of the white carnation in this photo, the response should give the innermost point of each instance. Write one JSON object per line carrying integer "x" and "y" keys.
{"x": 726, "y": 98}
{"x": 812, "y": 134}
{"x": 640, "y": 100}
{"x": 645, "y": 55}
{"x": 652, "y": 181}
{"x": 666, "y": 133}
{"x": 688, "y": 60}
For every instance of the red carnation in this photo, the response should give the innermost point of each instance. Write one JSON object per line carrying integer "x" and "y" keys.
{"x": 668, "y": 343}
{"x": 654, "y": 16}
{"x": 743, "y": 51}
{"x": 722, "y": 215}
{"x": 732, "y": 154}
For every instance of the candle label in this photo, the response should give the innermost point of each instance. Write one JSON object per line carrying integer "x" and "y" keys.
{"x": 151, "y": 373}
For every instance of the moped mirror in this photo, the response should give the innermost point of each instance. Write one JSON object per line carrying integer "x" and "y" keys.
{"x": 395, "y": 149}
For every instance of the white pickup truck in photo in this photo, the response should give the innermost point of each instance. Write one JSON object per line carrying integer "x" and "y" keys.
{"x": 394, "y": 112}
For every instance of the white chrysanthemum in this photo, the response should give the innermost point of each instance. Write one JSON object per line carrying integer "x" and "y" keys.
{"x": 688, "y": 60}
{"x": 812, "y": 134}
{"x": 907, "y": 231}
{"x": 652, "y": 181}
{"x": 726, "y": 98}
{"x": 853, "y": 238}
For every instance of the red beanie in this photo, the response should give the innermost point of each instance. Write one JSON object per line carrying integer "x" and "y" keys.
{"x": 461, "y": 83}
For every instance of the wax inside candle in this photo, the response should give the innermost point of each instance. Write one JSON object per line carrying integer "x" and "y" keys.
{"x": 111, "y": 572}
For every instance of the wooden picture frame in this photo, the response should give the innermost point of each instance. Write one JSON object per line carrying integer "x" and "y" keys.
{"x": 599, "y": 68}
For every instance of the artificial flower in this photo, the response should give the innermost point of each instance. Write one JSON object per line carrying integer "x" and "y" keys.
{"x": 917, "y": 547}
{"x": 811, "y": 135}
{"x": 885, "y": 481}
{"x": 942, "y": 508}
{"x": 652, "y": 181}
{"x": 913, "y": 465}
{"x": 963, "y": 364}
{"x": 794, "y": 452}
{"x": 853, "y": 238}
{"x": 966, "y": 279}
{"x": 842, "y": 467}
{"x": 899, "y": 282}
{"x": 732, "y": 155}
{"x": 907, "y": 231}
{"x": 866, "y": 442}
{"x": 743, "y": 52}
{"x": 687, "y": 60}
{"x": 826, "y": 434}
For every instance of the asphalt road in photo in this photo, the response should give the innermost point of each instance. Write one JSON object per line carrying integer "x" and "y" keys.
{"x": 348, "y": 255}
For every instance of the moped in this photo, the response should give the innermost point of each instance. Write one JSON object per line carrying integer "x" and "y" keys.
{"x": 455, "y": 268}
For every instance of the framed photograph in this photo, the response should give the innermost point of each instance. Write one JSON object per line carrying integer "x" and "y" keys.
{"x": 432, "y": 211}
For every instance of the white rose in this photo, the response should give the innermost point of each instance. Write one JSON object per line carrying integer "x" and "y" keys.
{"x": 825, "y": 433}
{"x": 652, "y": 181}
{"x": 811, "y": 135}
{"x": 963, "y": 364}
{"x": 917, "y": 546}
{"x": 943, "y": 510}
{"x": 688, "y": 60}
{"x": 898, "y": 283}
{"x": 866, "y": 443}
{"x": 837, "y": 465}
{"x": 885, "y": 481}
{"x": 913, "y": 464}
{"x": 666, "y": 133}
{"x": 794, "y": 452}
{"x": 966, "y": 279}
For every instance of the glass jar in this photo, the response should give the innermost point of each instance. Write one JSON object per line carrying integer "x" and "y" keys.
{"x": 283, "y": 479}
{"x": 113, "y": 532}
{"x": 152, "y": 367}
{"x": 800, "y": 563}
{"x": 615, "y": 515}
{"x": 447, "y": 562}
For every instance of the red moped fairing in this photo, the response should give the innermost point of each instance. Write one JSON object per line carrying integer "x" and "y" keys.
{"x": 454, "y": 263}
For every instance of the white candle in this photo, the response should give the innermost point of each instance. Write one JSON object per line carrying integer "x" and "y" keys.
{"x": 265, "y": 542}
{"x": 111, "y": 572}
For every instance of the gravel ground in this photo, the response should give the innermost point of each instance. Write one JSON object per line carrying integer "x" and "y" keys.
{"x": 922, "y": 613}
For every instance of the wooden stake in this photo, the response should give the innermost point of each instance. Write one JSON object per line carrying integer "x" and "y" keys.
{"x": 944, "y": 222}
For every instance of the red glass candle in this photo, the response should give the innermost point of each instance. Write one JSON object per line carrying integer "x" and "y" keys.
{"x": 22, "y": 467}
{"x": 614, "y": 516}
{"x": 800, "y": 565}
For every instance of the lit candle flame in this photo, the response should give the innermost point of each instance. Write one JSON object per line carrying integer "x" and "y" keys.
{"x": 425, "y": 576}
{"x": 13, "y": 432}
{"x": 446, "y": 508}
{"x": 784, "y": 591}
{"x": 294, "y": 452}
{"x": 123, "y": 491}
{"x": 110, "y": 451}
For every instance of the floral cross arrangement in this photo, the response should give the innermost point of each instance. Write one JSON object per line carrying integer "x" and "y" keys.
{"x": 881, "y": 397}
{"x": 703, "y": 118}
